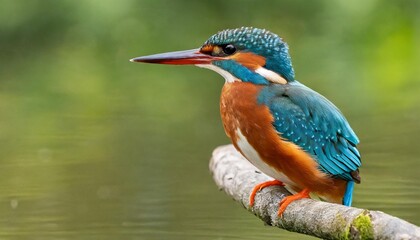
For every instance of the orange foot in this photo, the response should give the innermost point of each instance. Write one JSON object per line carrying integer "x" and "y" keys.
{"x": 261, "y": 186}
{"x": 287, "y": 200}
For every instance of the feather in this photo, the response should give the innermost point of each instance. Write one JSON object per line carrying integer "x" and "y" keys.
{"x": 348, "y": 195}
{"x": 313, "y": 123}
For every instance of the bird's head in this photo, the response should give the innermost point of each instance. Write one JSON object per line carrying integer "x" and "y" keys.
{"x": 244, "y": 54}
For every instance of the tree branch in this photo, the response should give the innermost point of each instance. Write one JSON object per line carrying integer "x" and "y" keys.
{"x": 236, "y": 176}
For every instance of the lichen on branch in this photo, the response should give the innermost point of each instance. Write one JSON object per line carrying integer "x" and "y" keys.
{"x": 236, "y": 176}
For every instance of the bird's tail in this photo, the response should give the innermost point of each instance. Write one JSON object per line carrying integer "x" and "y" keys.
{"x": 348, "y": 195}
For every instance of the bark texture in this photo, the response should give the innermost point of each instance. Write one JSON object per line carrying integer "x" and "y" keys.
{"x": 237, "y": 177}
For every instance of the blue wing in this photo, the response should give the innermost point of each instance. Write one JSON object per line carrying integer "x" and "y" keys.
{"x": 309, "y": 120}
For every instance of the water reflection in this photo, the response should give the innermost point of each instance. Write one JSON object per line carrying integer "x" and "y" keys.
{"x": 169, "y": 194}
{"x": 94, "y": 147}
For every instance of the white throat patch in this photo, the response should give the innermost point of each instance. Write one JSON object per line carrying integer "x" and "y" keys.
{"x": 227, "y": 75}
{"x": 267, "y": 74}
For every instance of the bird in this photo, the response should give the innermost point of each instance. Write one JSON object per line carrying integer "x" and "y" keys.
{"x": 285, "y": 129}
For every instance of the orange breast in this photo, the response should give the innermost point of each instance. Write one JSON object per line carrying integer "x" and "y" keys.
{"x": 241, "y": 114}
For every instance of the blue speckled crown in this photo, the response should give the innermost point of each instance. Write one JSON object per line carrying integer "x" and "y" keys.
{"x": 248, "y": 38}
{"x": 261, "y": 42}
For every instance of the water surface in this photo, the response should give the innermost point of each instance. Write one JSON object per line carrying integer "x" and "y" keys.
{"x": 95, "y": 147}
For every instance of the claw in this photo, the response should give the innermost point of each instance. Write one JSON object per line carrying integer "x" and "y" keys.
{"x": 261, "y": 186}
{"x": 289, "y": 199}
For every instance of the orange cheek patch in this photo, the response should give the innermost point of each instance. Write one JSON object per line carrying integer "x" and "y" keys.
{"x": 207, "y": 49}
{"x": 249, "y": 60}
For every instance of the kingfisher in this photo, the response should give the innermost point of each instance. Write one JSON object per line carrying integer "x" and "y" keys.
{"x": 285, "y": 129}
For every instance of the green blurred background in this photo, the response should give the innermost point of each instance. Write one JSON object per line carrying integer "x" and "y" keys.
{"x": 95, "y": 147}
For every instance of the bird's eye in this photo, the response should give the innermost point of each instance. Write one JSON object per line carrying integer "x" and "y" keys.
{"x": 228, "y": 49}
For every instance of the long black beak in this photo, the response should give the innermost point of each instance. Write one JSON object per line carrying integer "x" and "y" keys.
{"x": 193, "y": 56}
